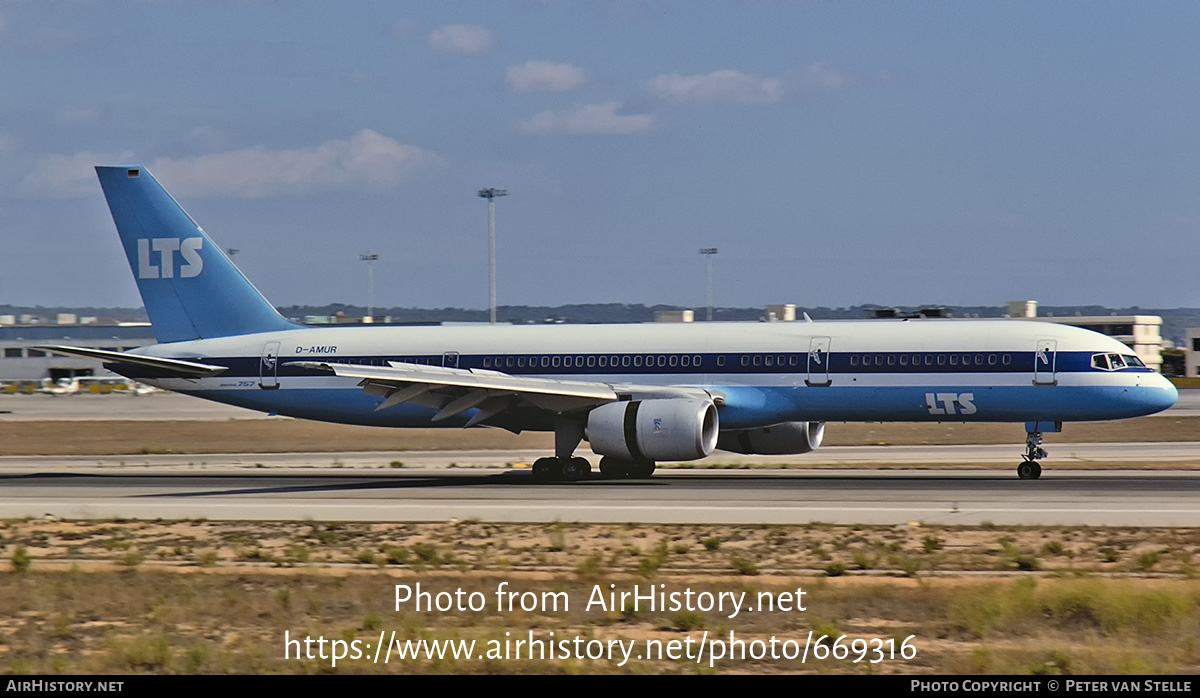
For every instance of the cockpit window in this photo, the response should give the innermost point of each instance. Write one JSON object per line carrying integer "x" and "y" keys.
{"x": 1115, "y": 362}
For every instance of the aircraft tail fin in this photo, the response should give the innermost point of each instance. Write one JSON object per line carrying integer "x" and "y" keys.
{"x": 190, "y": 288}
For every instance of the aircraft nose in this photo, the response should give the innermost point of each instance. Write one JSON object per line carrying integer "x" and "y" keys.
{"x": 1160, "y": 394}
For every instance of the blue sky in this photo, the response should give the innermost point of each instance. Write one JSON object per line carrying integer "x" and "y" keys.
{"x": 836, "y": 153}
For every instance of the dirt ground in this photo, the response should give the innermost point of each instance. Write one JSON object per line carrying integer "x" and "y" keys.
{"x": 217, "y": 597}
{"x": 291, "y": 435}
{"x": 191, "y": 597}
{"x": 623, "y": 549}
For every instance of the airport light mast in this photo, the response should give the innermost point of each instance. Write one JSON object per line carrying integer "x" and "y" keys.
{"x": 490, "y": 194}
{"x": 709, "y": 253}
{"x": 370, "y": 259}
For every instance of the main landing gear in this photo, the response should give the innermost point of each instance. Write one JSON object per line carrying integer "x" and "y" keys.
{"x": 1030, "y": 469}
{"x": 565, "y": 467}
{"x": 573, "y": 469}
{"x": 555, "y": 469}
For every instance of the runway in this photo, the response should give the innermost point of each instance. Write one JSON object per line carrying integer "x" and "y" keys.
{"x": 1182, "y": 455}
{"x": 1093, "y": 498}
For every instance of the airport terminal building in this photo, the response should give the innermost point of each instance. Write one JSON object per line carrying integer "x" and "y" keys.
{"x": 21, "y": 360}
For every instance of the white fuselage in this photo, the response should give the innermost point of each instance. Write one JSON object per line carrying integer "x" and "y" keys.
{"x": 764, "y": 373}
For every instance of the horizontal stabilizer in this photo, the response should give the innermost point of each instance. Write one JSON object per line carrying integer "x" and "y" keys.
{"x": 184, "y": 369}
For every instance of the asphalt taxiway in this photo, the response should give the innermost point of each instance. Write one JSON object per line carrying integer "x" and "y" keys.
{"x": 1093, "y": 498}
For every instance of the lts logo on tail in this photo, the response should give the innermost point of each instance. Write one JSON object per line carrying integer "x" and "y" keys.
{"x": 165, "y": 248}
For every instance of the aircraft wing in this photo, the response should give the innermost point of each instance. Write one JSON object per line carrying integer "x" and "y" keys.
{"x": 453, "y": 391}
{"x": 176, "y": 367}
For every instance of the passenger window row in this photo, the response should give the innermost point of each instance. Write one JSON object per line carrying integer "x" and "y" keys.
{"x": 1106, "y": 362}
{"x": 595, "y": 361}
{"x": 930, "y": 359}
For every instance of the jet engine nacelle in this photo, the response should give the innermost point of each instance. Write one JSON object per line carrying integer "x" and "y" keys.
{"x": 653, "y": 430}
{"x": 775, "y": 440}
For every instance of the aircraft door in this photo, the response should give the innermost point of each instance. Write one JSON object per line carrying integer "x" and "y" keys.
{"x": 450, "y": 359}
{"x": 268, "y": 368}
{"x": 1044, "y": 369}
{"x": 818, "y": 363}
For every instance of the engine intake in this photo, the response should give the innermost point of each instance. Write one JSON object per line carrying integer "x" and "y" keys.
{"x": 775, "y": 440}
{"x": 652, "y": 430}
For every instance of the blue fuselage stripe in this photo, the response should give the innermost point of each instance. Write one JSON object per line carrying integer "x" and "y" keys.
{"x": 749, "y": 406}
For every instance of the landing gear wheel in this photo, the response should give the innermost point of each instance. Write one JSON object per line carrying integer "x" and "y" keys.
{"x": 574, "y": 469}
{"x": 641, "y": 469}
{"x": 547, "y": 470}
{"x": 614, "y": 468}
{"x": 1030, "y": 469}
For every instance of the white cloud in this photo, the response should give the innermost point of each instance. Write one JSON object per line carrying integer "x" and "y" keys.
{"x": 541, "y": 76}
{"x": 68, "y": 176}
{"x": 366, "y": 159}
{"x": 463, "y": 39}
{"x": 589, "y": 120}
{"x": 720, "y": 86}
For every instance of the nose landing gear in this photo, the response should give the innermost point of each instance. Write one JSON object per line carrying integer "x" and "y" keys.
{"x": 1030, "y": 469}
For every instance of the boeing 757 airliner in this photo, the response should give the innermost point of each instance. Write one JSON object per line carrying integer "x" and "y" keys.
{"x": 637, "y": 393}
